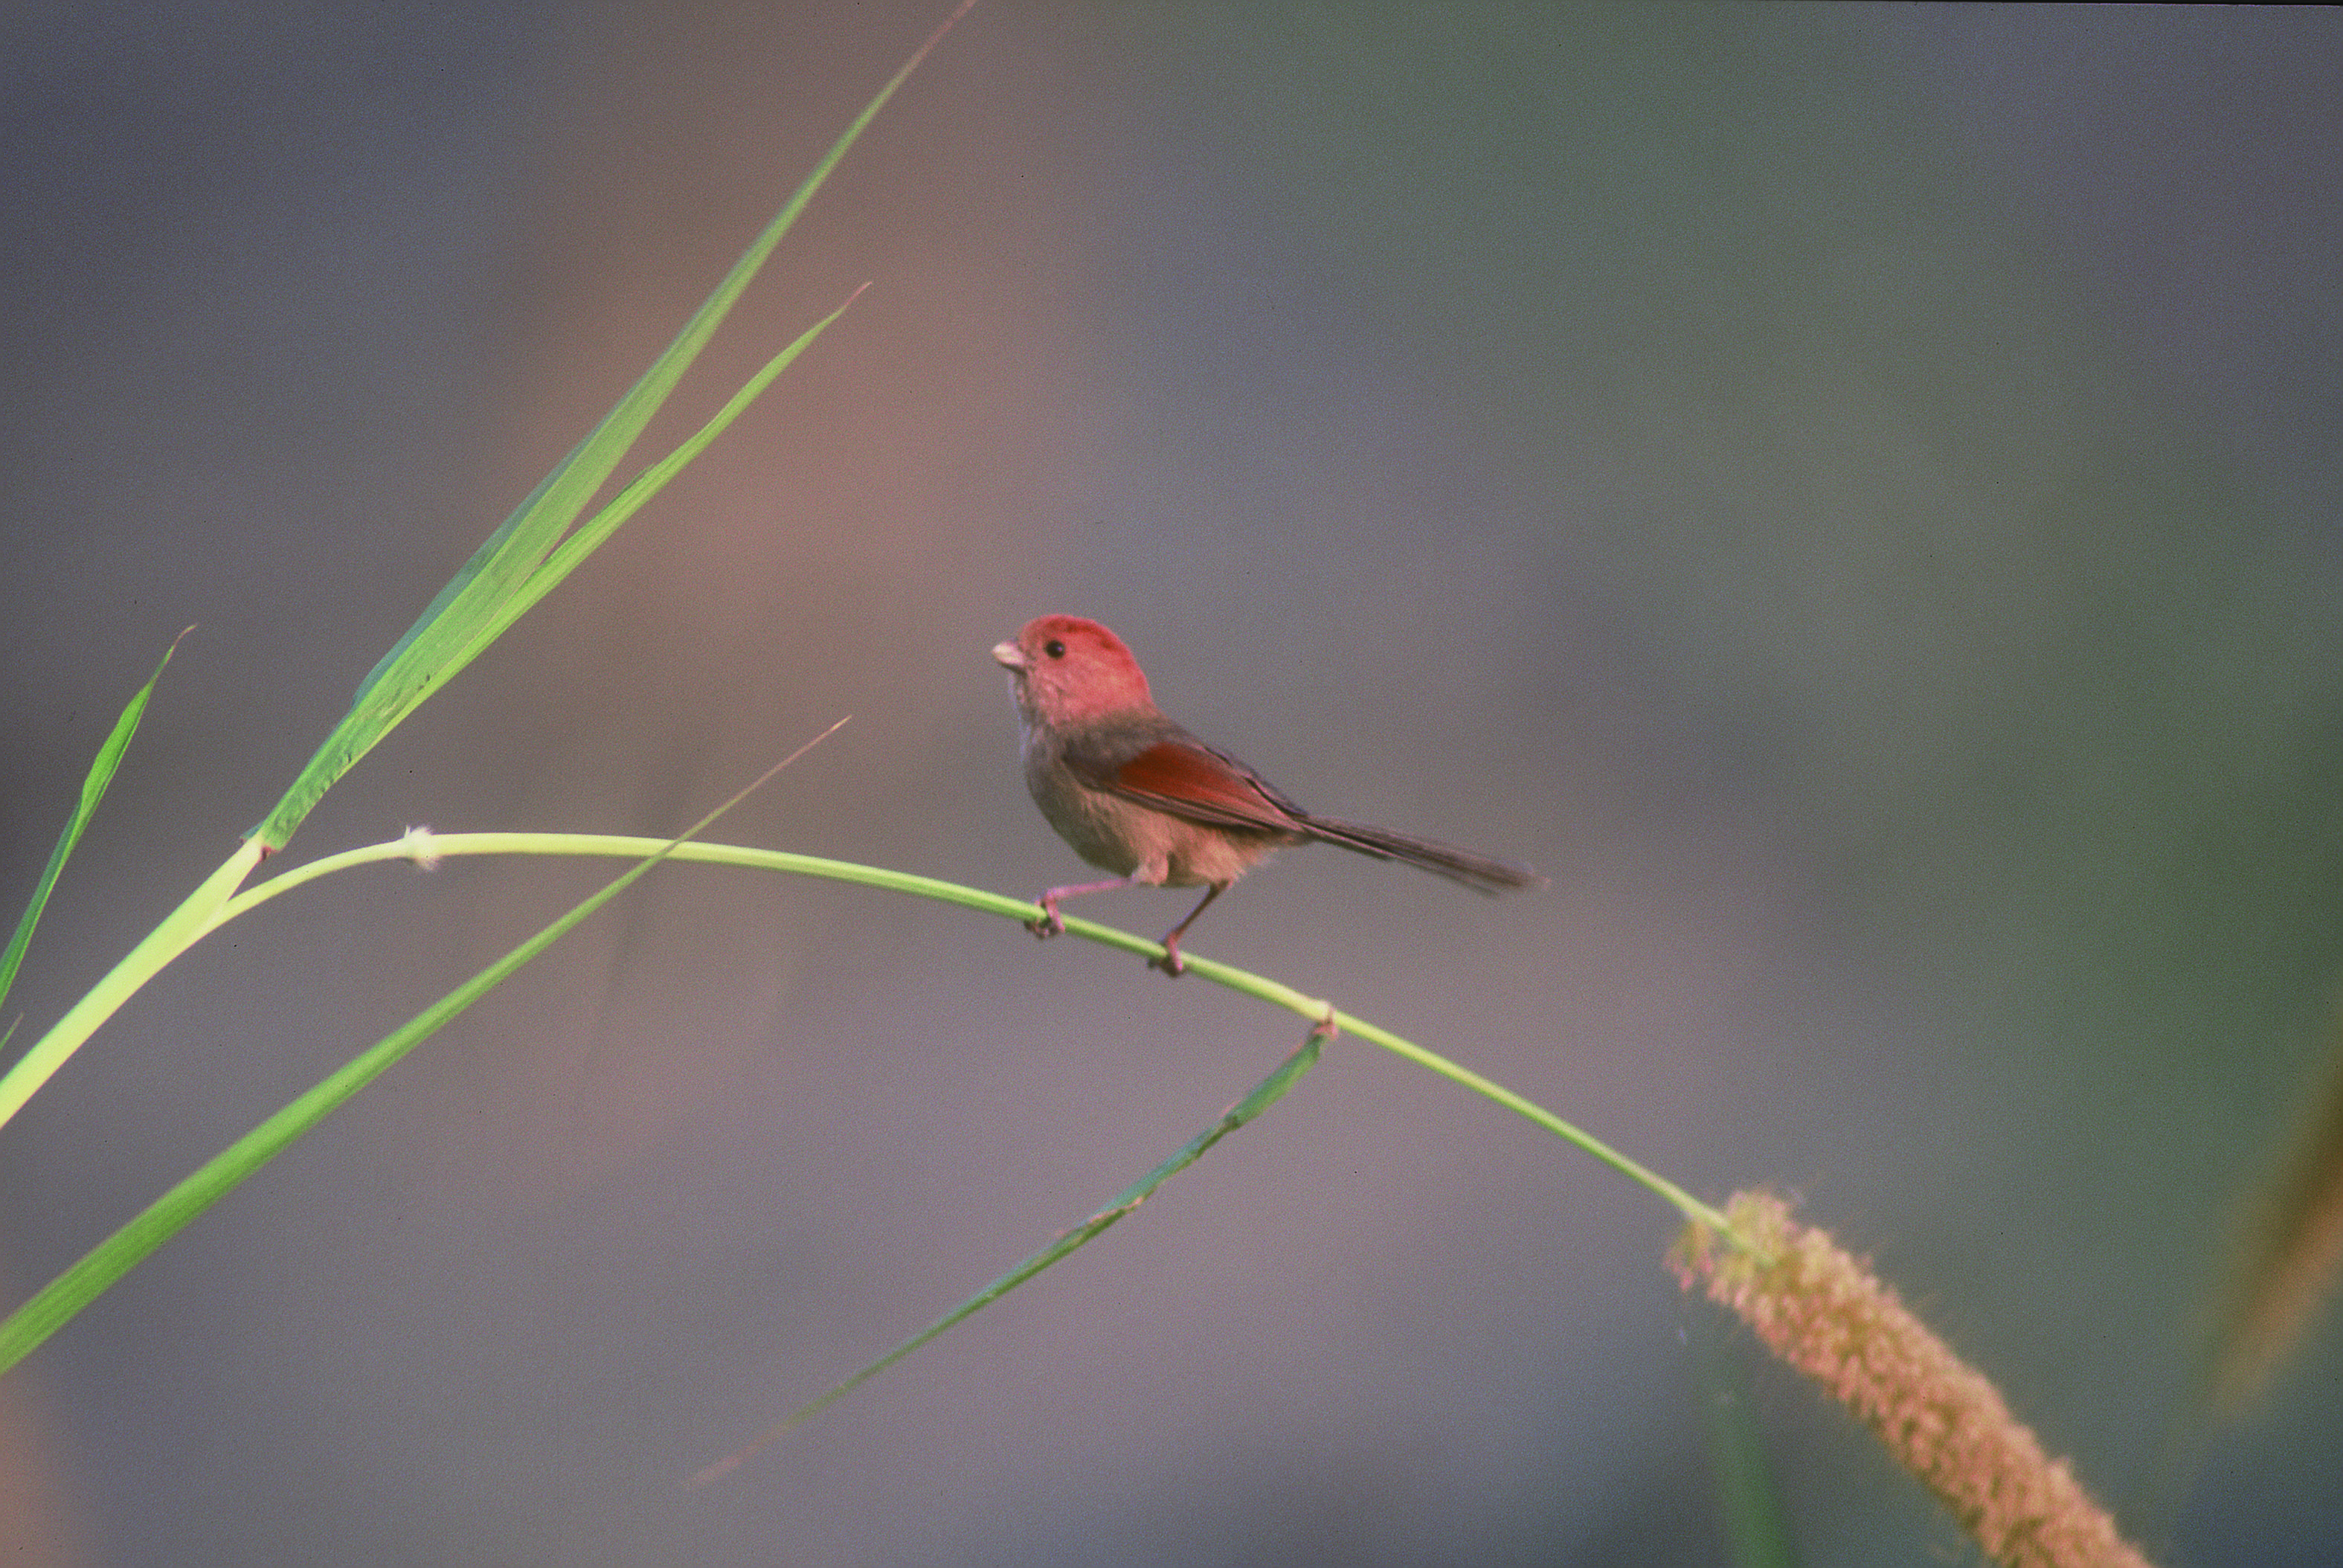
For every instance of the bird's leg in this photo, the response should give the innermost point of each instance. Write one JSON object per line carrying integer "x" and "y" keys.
{"x": 1050, "y": 924}
{"x": 1171, "y": 963}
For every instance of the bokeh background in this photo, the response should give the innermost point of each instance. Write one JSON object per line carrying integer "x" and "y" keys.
{"x": 1852, "y": 494}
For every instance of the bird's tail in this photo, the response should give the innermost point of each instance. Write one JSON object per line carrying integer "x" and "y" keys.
{"x": 1479, "y": 872}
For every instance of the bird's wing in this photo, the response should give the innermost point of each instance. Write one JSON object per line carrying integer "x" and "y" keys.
{"x": 1188, "y": 778}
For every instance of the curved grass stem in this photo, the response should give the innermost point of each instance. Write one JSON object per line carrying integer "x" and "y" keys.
{"x": 424, "y": 847}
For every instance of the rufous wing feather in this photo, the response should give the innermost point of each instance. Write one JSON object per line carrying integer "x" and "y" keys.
{"x": 1195, "y": 781}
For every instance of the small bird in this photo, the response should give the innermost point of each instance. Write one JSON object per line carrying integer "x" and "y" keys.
{"x": 1137, "y": 795}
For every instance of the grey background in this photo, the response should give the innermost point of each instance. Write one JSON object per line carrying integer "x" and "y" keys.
{"x": 1852, "y": 494}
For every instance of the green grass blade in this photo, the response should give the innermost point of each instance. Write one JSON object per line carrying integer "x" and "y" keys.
{"x": 495, "y": 550}
{"x": 1748, "y": 1502}
{"x": 478, "y": 602}
{"x": 93, "y": 789}
{"x": 1266, "y": 1093}
{"x": 57, "y": 1302}
{"x": 589, "y": 536}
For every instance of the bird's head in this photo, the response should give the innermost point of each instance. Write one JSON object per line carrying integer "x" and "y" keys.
{"x": 1063, "y": 669}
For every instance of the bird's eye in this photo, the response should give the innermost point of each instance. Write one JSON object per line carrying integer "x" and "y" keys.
{"x": 1054, "y": 648}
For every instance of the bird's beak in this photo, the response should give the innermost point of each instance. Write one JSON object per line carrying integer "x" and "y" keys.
{"x": 1008, "y": 656}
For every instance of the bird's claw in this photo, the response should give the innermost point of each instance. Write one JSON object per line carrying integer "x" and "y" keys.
{"x": 1169, "y": 962}
{"x": 1050, "y": 924}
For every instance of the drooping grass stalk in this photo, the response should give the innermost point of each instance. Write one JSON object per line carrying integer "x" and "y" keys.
{"x": 521, "y": 561}
{"x": 1818, "y": 1308}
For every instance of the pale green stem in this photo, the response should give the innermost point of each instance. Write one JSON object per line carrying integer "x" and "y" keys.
{"x": 425, "y": 847}
{"x": 184, "y": 927}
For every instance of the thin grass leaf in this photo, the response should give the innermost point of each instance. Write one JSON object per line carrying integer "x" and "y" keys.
{"x": 93, "y": 791}
{"x": 64, "y": 1296}
{"x": 1747, "y": 1500}
{"x": 1268, "y": 1092}
{"x": 589, "y": 536}
{"x": 498, "y": 582}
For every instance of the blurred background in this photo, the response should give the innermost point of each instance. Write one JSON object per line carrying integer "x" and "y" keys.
{"x": 1851, "y": 493}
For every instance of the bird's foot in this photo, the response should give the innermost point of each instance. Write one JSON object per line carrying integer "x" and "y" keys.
{"x": 1051, "y": 923}
{"x": 1171, "y": 963}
